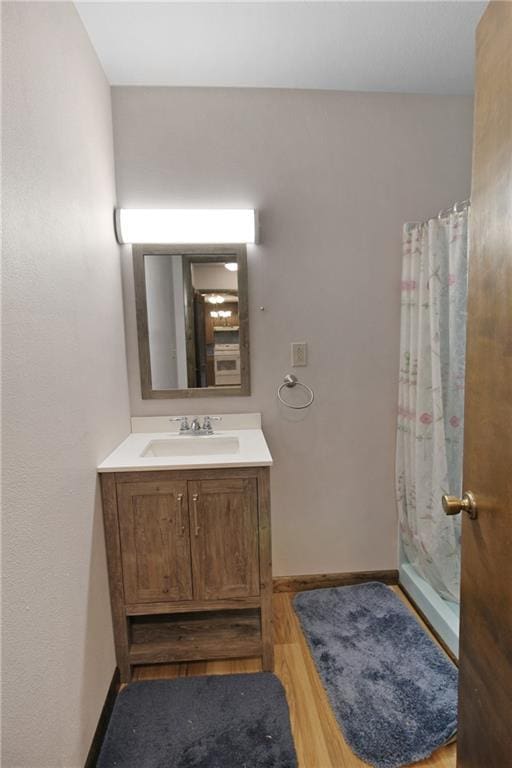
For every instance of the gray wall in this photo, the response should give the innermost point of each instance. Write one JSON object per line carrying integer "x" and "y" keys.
{"x": 65, "y": 390}
{"x": 160, "y": 290}
{"x": 334, "y": 175}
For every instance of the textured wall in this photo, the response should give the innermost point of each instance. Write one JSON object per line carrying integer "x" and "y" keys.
{"x": 334, "y": 175}
{"x": 161, "y": 321}
{"x": 65, "y": 390}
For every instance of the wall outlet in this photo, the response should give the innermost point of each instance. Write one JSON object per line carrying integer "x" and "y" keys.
{"x": 299, "y": 353}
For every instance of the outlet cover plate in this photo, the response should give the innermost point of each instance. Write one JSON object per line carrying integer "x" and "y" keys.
{"x": 299, "y": 353}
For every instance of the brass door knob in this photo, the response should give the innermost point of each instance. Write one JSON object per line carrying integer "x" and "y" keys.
{"x": 452, "y": 505}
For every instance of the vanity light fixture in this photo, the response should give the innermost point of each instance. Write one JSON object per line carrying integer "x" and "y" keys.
{"x": 215, "y": 299}
{"x": 232, "y": 266}
{"x": 214, "y": 314}
{"x": 182, "y": 226}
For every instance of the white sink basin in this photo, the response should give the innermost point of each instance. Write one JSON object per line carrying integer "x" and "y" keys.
{"x": 206, "y": 445}
{"x": 153, "y": 446}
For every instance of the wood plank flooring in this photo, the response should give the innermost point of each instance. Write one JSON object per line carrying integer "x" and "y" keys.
{"x": 318, "y": 739}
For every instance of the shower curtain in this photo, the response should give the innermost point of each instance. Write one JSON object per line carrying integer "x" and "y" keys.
{"x": 431, "y": 396}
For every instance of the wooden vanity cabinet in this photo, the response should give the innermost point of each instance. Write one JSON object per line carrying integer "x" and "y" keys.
{"x": 189, "y": 563}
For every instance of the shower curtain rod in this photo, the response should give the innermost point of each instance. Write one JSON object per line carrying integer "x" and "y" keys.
{"x": 455, "y": 208}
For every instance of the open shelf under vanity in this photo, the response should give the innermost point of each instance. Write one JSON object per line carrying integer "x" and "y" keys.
{"x": 194, "y": 636}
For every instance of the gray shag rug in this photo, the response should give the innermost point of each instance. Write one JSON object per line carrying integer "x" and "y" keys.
{"x": 212, "y": 721}
{"x": 393, "y": 691}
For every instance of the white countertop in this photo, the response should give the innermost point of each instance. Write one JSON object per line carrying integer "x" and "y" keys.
{"x": 252, "y": 451}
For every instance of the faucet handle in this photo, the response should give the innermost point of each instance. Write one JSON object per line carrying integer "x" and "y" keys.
{"x": 207, "y": 423}
{"x": 184, "y": 425}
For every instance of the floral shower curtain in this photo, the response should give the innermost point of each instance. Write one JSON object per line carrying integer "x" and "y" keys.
{"x": 431, "y": 396}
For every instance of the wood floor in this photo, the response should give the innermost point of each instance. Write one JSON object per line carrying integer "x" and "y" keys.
{"x": 318, "y": 739}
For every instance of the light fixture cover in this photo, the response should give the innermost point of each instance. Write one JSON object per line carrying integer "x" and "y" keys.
{"x": 182, "y": 226}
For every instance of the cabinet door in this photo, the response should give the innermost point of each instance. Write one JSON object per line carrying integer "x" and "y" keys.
{"x": 224, "y": 537}
{"x": 155, "y": 541}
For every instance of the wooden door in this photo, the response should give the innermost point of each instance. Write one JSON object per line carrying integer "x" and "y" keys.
{"x": 224, "y": 538}
{"x": 155, "y": 541}
{"x": 200, "y": 339}
{"x": 485, "y": 689}
{"x": 209, "y": 340}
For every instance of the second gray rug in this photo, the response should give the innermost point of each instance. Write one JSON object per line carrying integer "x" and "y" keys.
{"x": 393, "y": 691}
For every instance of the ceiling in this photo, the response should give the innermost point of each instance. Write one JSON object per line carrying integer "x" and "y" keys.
{"x": 415, "y": 47}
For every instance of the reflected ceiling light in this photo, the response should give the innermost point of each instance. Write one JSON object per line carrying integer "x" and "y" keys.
{"x": 215, "y": 299}
{"x": 221, "y": 313}
{"x": 232, "y": 266}
{"x": 181, "y": 226}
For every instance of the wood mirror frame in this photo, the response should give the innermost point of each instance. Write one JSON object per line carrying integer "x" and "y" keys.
{"x": 190, "y": 255}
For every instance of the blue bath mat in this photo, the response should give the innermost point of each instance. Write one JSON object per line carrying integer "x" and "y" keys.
{"x": 393, "y": 691}
{"x": 211, "y": 721}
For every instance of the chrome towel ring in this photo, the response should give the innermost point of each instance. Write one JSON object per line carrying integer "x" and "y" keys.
{"x": 291, "y": 381}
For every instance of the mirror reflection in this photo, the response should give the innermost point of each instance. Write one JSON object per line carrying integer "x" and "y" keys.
{"x": 194, "y": 330}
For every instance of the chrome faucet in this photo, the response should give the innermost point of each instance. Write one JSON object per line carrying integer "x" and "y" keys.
{"x": 195, "y": 427}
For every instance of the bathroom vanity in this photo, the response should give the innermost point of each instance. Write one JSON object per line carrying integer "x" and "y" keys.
{"x": 187, "y": 527}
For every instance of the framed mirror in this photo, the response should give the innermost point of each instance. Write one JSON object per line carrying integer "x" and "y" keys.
{"x": 192, "y": 320}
